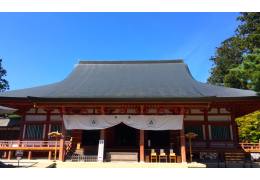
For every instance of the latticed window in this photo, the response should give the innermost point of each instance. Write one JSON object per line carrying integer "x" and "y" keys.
{"x": 220, "y": 132}
{"x": 34, "y": 131}
{"x": 56, "y": 128}
{"x": 194, "y": 129}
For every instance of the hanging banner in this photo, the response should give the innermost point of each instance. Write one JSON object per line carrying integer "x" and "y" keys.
{"x": 143, "y": 122}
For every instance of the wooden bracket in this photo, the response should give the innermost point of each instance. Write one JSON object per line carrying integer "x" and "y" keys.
{"x": 161, "y": 110}
{"x": 122, "y": 110}
{"x": 83, "y": 110}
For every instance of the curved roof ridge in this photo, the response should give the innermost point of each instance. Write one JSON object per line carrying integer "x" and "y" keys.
{"x": 131, "y": 61}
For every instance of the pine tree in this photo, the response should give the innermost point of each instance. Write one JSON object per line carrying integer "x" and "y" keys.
{"x": 3, "y": 82}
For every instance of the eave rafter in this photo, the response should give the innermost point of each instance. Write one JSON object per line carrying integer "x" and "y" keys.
{"x": 139, "y": 107}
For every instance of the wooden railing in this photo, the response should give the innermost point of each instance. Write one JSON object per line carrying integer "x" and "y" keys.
{"x": 29, "y": 144}
{"x": 226, "y": 146}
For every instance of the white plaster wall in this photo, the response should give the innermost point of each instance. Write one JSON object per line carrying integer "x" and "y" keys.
{"x": 167, "y": 111}
{"x": 196, "y": 111}
{"x": 194, "y": 118}
{"x": 219, "y": 118}
{"x": 32, "y": 110}
{"x": 152, "y": 111}
{"x": 116, "y": 111}
{"x": 131, "y": 111}
{"x": 90, "y": 110}
{"x": 55, "y": 118}
{"x": 213, "y": 111}
{"x": 55, "y": 111}
{"x": 223, "y": 110}
{"x": 35, "y": 118}
{"x": 41, "y": 110}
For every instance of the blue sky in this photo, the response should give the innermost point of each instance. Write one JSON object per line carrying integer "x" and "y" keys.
{"x": 42, "y": 48}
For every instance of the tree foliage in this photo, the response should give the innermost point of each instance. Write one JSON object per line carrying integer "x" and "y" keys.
{"x": 248, "y": 33}
{"x": 229, "y": 55}
{"x": 3, "y": 82}
{"x": 232, "y": 51}
{"x": 249, "y": 71}
{"x": 249, "y": 125}
{"x": 237, "y": 65}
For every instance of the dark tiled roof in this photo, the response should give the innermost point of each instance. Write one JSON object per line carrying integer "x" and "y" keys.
{"x": 6, "y": 110}
{"x": 129, "y": 79}
{"x": 6, "y": 122}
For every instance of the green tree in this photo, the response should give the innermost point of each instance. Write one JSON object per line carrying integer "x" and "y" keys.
{"x": 248, "y": 33}
{"x": 249, "y": 71}
{"x": 229, "y": 55}
{"x": 249, "y": 125}
{"x": 3, "y": 82}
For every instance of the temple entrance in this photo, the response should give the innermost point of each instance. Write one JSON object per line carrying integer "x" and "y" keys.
{"x": 90, "y": 137}
{"x": 125, "y": 135}
{"x": 159, "y": 138}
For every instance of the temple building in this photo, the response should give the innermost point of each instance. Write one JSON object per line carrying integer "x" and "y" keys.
{"x": 134, "y": 106}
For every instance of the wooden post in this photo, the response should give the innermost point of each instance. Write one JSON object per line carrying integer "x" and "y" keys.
{"x": 62, "y": 142}
{"x": 190, "y": 150}
{"x": 5, "y": 154}
{"x": 30, "y": 155}
{"x": 49, "y": 157}
{"x": 22, "y": 127}
{"x": 183, "y": 148}
{"x": 206, "y": 127}
{"x": 55, "y": 154}
{"x": 142, "y": 146}
{"x": 102, "y": 134}
{"x": 9, "y": 154}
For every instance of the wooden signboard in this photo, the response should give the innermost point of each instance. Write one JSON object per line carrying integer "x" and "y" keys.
{"x": 19, "y": 153}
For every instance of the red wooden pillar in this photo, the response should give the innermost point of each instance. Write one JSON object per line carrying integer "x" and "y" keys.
{"x": 47, "y": 126}
{"x": 102, "y": 134}
{"x": 30, "y": 155}
{"x": 22, "y": 127}
{"x": 206, "y": 127}
{"x": 183, "y": 148}
{"x": 5, "y": 154}
{"x": 141, "y": 145}
{"x": 62, "y": 142}
{"x": 234, "y": 127}
{"x": 9, "y": 154}
{"x": 49, "y": 157}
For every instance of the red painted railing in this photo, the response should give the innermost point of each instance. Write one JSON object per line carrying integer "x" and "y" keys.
{"x": 29, "y": 144}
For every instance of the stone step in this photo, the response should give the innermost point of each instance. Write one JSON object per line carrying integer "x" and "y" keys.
{"x": 127, "y": 165}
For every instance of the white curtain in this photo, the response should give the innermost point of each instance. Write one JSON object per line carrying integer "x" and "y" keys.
{"x": 143, "y": 122}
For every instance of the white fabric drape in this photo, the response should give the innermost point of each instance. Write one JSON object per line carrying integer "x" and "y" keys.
{"x": 143, "y": 122}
